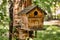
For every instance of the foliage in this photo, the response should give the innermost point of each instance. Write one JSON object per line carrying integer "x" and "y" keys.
{"x": 51, "y": 33}
{"x": 48, "y": 5}
{"x": 4, "y": 20}
{"x": 4, "y": 16}
{"x": 3, "y": 34}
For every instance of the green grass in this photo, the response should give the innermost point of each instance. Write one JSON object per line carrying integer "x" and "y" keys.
{"x": 3, "y": 35}
{"x": 51, "y": 33}
{"x": 47, "y": 36}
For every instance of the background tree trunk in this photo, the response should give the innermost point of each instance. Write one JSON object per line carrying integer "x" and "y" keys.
{"x": 11, "y": 19}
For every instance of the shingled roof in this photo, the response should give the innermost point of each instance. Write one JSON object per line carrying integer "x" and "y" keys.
{"x": 29, "y": 8}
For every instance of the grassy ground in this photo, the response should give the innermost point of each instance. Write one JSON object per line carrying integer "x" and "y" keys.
{"x": 51, "y": 33}
{"x": 4, "y": 34}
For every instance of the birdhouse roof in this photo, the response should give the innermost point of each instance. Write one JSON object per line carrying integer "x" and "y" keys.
{"x": 29, "y": 8}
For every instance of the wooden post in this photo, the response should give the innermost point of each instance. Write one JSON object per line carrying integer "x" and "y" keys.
{"x": 35, "y": 33}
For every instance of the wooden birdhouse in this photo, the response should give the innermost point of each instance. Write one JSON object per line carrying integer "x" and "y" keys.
{"x": 32, "y": 18}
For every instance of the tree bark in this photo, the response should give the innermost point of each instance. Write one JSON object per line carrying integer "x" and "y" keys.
{"x": 11, "y": 20}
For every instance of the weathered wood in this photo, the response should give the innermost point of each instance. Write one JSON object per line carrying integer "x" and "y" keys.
{"x": 32, "y": 18}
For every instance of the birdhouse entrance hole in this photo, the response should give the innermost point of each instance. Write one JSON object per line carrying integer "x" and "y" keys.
{"x": 35, "y": 13}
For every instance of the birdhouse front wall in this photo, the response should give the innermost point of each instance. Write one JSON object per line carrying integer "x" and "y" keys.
{"x": 35, "y": 19}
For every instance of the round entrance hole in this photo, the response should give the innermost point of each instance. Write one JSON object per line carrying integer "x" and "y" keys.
{"x": 35, "y": 13}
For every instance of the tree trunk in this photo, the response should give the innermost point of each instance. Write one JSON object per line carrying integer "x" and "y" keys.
{"x": 11, "y": 20}
{"x": 15, "y": 7}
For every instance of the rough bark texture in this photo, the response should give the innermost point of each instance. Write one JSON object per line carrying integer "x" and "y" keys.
{"x": 11, "y": 18}
{"x": 15, "y": 7}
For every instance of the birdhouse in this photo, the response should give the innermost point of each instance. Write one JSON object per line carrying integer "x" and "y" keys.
{"x": 32, "y": 18}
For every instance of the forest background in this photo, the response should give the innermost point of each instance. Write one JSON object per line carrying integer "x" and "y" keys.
{"x": 51, "y": 7}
